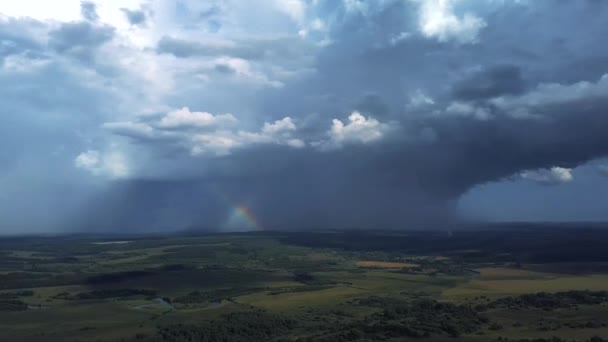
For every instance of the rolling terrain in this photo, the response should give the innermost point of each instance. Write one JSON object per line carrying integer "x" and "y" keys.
{"x": 491, "y": 285}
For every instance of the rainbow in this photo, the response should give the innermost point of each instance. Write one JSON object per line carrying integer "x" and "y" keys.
{"x": 247, "y": 216}
{"x": 240, "y": 215}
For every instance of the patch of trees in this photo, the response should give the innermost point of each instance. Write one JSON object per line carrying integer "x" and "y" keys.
{"x": 548, "y": 301}
{"x": 177, "y": 267}
{"x": 533, "y": 243}
{"x": 19, "y": 280}
{"x": 16, "y": 294}
{"x": 303, "y": 277}
{"x": 427, "y": 317}
{"x": 552, "y": 325}
{"x": 116, "y": 277}
{"x": 552, "y": 339}
{"x": 199, "y": 297}
{"x": 117, "y": 293}
{"x": 65, "y": 260}
{"x": 13, "y": 305}
{"x": 190, "y": 252}
{"x": 592, "y": 324}
{"x": 308, "y": 279}
{"x": 417, "y": 319}
{"x": 298, "y": 289}
{"x": 237, "y": 327}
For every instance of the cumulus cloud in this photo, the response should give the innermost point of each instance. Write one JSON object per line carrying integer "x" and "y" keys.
{"x": 282, "y": 132}
{"x": 358, "y": 130}
{"x": 553, "y": 176}
{"x": 223, "y": 142}
{"x": 438, "y": 20}
{"x": 280, "y": 126}
{"x": 205, "y": 134}
{"x": 184, "y": 118}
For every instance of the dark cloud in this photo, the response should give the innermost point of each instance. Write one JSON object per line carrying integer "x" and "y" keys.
{"x": 374, "y": 105}
{"x": 410, "y": 181}
{"x": 536, "y": 71}
{"x": 491, "y": 82}
{"x": 209, "y": 13}
{"x": 135, "y": 17}
{"x": 224, "y": 69}
{"x": 88, "y": 10}
{"x": 273, "y": 49}
{"x": 79, "y": 38}
{"x": 151, "y": 205}
{"x": 183, "y": 48}
{"x": 20, "y": 36}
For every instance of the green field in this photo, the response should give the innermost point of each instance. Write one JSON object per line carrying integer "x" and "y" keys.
{"x": 264, "y": 287}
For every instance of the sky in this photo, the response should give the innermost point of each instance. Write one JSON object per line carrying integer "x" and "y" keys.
{"x": 224, "y": 115}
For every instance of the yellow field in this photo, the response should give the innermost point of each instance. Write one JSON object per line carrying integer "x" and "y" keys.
{"x": 384, "y": 264}
{"x": 496, "y": 282}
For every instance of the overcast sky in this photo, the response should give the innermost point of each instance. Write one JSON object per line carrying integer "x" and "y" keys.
{"x": 145, "y": 115}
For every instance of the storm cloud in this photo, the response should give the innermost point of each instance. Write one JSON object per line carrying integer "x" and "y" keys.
{"x": 159, "y": 115}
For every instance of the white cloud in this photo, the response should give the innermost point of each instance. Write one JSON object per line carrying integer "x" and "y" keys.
{"x": 279, "y": 126}
{"x": 202, "y": 133}
{"x": 61, "y": 10}
{"x": 356, "y": 6}
{"x": 438, "y": 20}
{"x": 295, "y": 9}
{"x": 553, "y": 176}
{"x": 109, "y": 11}
{"x": 115, "y": 165}
{"x": 318, "y": 25}
{"x": 88, "y": 160}
{"x": 184, "y": 118}
{"x": 242, "y": 69}
{"x": 358, "y": 130}
{"x": 220, "y": 143}
{"x": 112, "y": 165}
{"x": 295, "y": 143}
{"x": 223, "y": 142}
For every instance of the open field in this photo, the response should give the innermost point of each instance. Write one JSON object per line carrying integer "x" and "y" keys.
{"x": 507, "y": 287}
{"x": 384, "y": 264}
{"x": 299, "y": 287}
